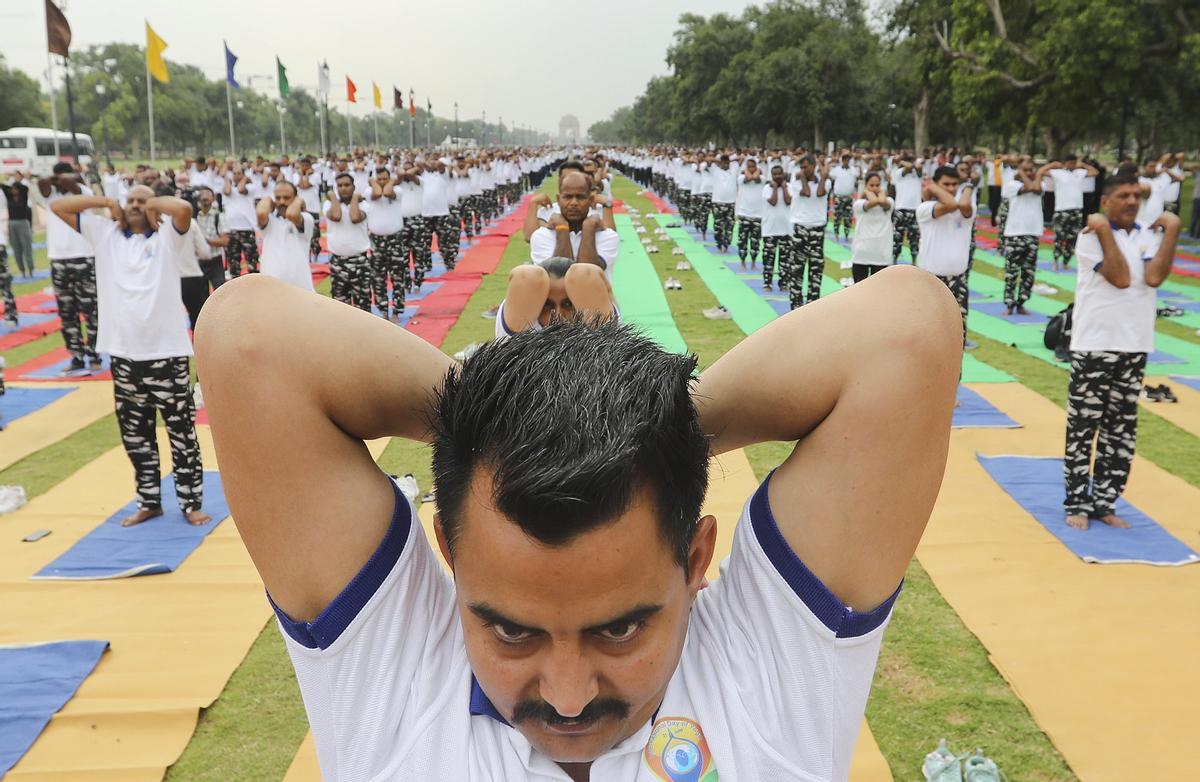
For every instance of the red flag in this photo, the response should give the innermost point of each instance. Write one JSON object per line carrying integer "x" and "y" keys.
{"x": 350, "y": 90}
{"x": 412, "y": 104}
{"x": 58, "y": 32}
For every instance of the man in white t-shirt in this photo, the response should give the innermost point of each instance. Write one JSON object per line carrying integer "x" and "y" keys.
{"x": 946, "y": 223}
{"x": 72, "y": 270}
{"x": 144, "y": 330}
{"x": 872, "y": 248}
{"x": 348, "y": 241}
{"x": 1021, "y": 235}
{"x": 810, "y": 212}
{"x": 1121, "y": 265}
{"x": 571, "y": 232}
{"x": 748, "y": 211}
{"x": 287, "y": 231}
{"x": 435, "y": 208}
{"x": 844, "y": 177}
{"x": 385, "y": 224}
{"x": 308, "y": 188}
{"x": 724, "y": 194}
{"x": 1069, "y": 179}
{"x": 777, "y": 229}
{"x": 6, "y": 291}
{"x": 1156, "y": 181}
{"x": 906, "y": 178}
{"x": 241, "y": 193}
{"x": 576, "y": 639}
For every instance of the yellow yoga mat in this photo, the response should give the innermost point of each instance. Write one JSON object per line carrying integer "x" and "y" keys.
{"x": 87, "y": 403}
{"x": 1185, "y": 413}
{"x": 175, "y": 639}
{"x": 1104, "y": 657}
{"x": 731, "y": 482}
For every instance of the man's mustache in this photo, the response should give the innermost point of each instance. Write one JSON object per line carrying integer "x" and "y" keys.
{"x": 544, "y": 712}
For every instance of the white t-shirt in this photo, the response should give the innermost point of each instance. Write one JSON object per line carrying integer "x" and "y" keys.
{"x": 872, "y": 234}
{"x": 435, "y": 200}
{"x": 1108, "y": 318}
{"x": 908, "y": 188}
{"x": 771, "y": 683}
{"x": 1154, "y": 204}
{"x": 1024, "y": 210}
{"x": 239, "y": 209}
{"x": 1171, "y": 195}
{"x": 724, "y": 184}
{"x": 844, "y": 179}
{"x": 384, "y": 216}
{"x": 285, "y": 250}
{"x": 504, "y": 332}
{"x": 311, "y": 195}
{"x": 542, "y": 241}
{"x": 945, "y": 240}
{"x": 776, "y": 220}
{"x": 749, "y": 198}
{"x": 62, "y": 241}
{"x": 1069, "y": 187}
{"x": 410, "y": 196}
{"x": 345, "y": 237}
{"x": 137, "y": 289}
{"x": 811, "y": 211}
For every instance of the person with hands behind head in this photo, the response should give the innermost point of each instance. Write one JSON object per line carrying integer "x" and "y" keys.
{"x": 872, "y": 247}
{"x": 287, "y": 230}
{"x": 777, "y": 229}
{"x": 945, "y": 223}
{"x": 558, "y": 289}
{"x": 810, "y": 212}
{"x": 1022, "y": 232}
{"x": 143, "y": 330}
{"x": 572, "y": 232}
{"x": 1121, "y": 264}
{"x": 348, "y": 241}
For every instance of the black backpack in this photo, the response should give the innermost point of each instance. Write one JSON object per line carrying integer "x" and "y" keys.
{"x": 1058, "y": 330}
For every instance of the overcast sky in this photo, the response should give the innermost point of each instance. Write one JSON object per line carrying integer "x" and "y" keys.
{"x": 528, "y": 62}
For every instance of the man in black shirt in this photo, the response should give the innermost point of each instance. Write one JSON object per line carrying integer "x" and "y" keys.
{"x": 20, "y": 221}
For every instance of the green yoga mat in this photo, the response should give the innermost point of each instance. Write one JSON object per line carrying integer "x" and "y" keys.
{"x": 639, "y": 292}
{"x": 1028, "y": 337}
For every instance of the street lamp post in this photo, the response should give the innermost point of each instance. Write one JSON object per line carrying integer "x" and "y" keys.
{"x": 483, "y": 131}
{"x": 100, "y": 90}
{"x": 282, "y": 137}
{"x": 456, "y": 124}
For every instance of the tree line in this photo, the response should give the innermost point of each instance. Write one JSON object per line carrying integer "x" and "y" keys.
{"x": 190, "y": 112}
{"x": 1035, "y": 75}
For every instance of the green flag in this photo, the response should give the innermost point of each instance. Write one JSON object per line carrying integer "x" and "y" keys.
{"x": 283, "y": 82}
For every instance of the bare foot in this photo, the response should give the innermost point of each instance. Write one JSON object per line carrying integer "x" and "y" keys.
{"x": 1008, "y": 310}
{"x": 1077, "y": 521}
{"x": 1113, "y": 520}
{"x": 197, "y": 517}
{"x": 142, "y": 515}
{"x": 1022, "y": 311}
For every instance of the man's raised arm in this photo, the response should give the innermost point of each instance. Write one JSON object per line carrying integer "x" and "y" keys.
{"x": 866, "y": 382}
{"x": 290, "y": 407}
{"x": 68, "y": 209}
{"x": 177, "y": 209}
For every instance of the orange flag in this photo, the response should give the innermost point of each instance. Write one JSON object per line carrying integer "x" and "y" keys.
{"x": 350, "y": 90}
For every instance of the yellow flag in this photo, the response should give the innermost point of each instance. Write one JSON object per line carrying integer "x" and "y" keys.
{"x": 378, "y": 96}
{"x": 155, "y": 63}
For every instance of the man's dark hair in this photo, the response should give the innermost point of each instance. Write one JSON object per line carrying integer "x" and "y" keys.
{"x": 571, "y": 165}
{"x": 942, "y": 171}
{"x": 345, "y": 174}
{"x": 1122, "y": 178}
{"x": 1071, "y": 157}
{"x": 775, "y": 168}
{"x": 557, "y": 266}
{"x": 572, "y": 420}
{"x": 63, "y": 168}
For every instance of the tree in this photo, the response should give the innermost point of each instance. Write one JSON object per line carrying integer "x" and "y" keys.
{"x": 21, "y": 103}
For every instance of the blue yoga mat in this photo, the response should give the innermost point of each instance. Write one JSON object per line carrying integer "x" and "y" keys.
{"x": 20, "y": 402}
{"x": 1037, "y": 484}
{"x": 1190, "y": 382}
{"x": 997, "y": 309}
{"x": 975, "y": 412}
{"x": 156, "y": 546}
{"x": 35, "y": 682}
{"x": 26, "y": 319}
{"x": 55, "y": 371}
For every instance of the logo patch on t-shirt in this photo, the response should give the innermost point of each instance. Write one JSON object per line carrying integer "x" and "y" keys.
{"x": 678, "y": 752}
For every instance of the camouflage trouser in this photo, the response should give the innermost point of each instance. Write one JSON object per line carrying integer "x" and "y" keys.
{"x": 416, "y": 237}
{"x": 749, "y": 237}
{"x": 1102, "y": 397}
{"x": 808, "y": 257}
{"x": 314, "y": 245}
{"x": 769, "y": 246}
{"x": 387, "y": 252}
{"x": 74, "y": 282}
{"x": 684, "y": 202}
{"x": 722, "y": 224}
{"x": 843, "y": 214}
{"x": 469, "y": 208}
{"x": 142, "y": 388}
{"x": 350, "y": 280}
{"x": 1067, "y": 225}
{"x": 6, "y": 291}
{"x": 491, "y": 204}
{"x": 904, "y": 223}
{"x": 1020, "y": 265}
{"x": 701, "y": 206}
{"x": 241, "y": 242}
{"x": 449, "y": 228}
{"x": 958, "y": 287}
{"x": 1001, "y": 221}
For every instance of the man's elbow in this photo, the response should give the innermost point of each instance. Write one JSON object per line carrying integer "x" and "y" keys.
{"x": 233, "y": 331}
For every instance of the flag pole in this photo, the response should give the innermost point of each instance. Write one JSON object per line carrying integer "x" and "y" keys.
{"x": 376, "y": 116}
{"x": 282, "y": 137}
{"x": 150, "y": 103}
{"x": 412, "y": 124}
{"x": 50, "y": 83}
{"x": 229, "y": 107}
{"x": 349, "y": 125}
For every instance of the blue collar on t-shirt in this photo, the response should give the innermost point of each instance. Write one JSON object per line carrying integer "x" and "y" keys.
{"x": 481, "y": 705}
{"x": 1136, "y": 226}
{"x": 147, "y": 233}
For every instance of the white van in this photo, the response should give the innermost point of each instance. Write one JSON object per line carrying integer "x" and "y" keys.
{"x": 32, "y": 149}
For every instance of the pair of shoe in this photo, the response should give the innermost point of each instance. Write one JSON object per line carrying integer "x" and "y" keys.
{"x": 677, "y": 251}
{"x": 467, "y": 352}
{"x": 1159, "y": 393}
{"x": 942, "y": 765}
{"x": 1044, "y": 289}
{"x": 717, "y": 313}
{"x": 1171, "y": 311}
{"x": 491, "y": 313}
{"x": 683, "y": 266}
{"x": 673, "y": 284}
{"x": 12, "y": 322}
{"x": 408, "y": 486}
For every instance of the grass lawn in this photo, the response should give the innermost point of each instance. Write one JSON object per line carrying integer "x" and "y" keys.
{"x": 934, "y": 678}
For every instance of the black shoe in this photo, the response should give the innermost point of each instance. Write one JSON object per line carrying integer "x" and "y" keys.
{"x": 95, "y": 362}
{"x": 1167, "y": 394}
{"x": 1152, "y": 394}
{"x": 76, "y": 365}
{"x": 1062, "y": 354}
